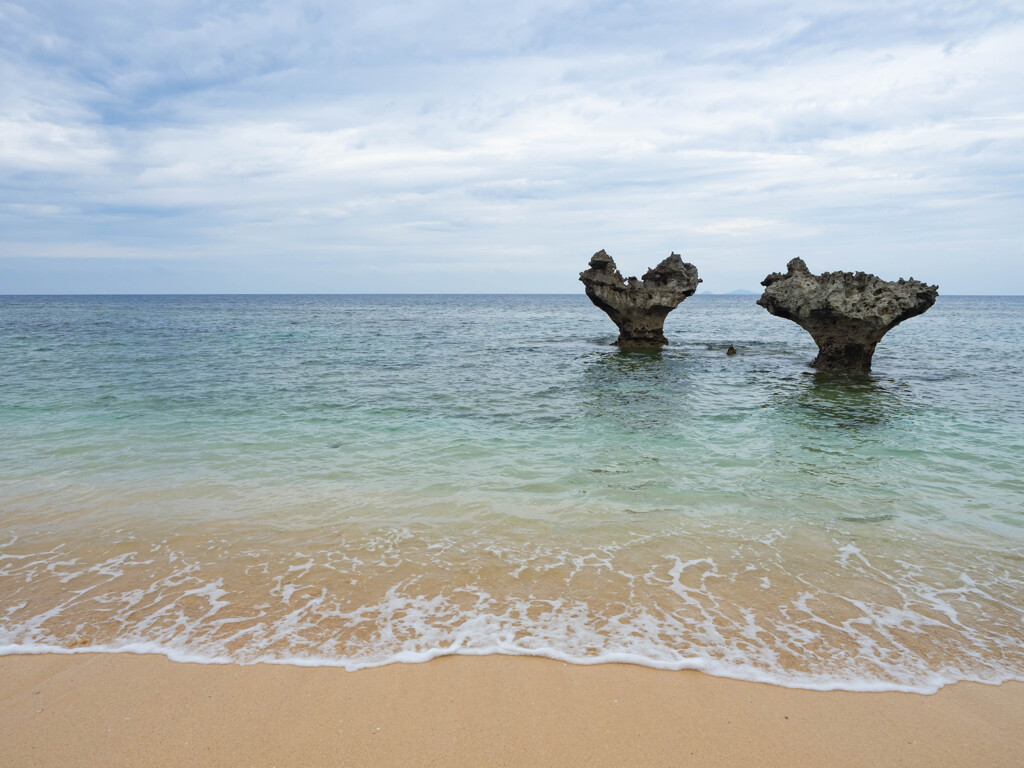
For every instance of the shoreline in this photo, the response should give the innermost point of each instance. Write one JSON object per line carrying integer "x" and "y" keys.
{"x": 125, "y": 709}
{"x": 704, "y": 667}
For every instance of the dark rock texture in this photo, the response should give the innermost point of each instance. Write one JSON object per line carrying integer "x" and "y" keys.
{"x": 639, "y": 307}
{"x": 846, "y": 313}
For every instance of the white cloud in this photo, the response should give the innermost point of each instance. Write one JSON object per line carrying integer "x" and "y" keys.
{"x": 450, "y": 134}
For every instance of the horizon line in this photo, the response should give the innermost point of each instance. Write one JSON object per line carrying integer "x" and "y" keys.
{"x": 732, "y": 294}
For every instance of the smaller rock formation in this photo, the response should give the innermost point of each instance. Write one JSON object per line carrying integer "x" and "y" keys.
{"x": 731, "y": 350}
{"x": 639, "y": 307}
{"x": 846, "y": 313}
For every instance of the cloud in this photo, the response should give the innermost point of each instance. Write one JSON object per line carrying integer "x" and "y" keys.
{"x": 352, "y": 145}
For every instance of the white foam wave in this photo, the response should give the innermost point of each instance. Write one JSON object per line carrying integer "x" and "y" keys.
{"x": 852, "y": 619}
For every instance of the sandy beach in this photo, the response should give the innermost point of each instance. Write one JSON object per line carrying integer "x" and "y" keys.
{"x": 120, "y": 710}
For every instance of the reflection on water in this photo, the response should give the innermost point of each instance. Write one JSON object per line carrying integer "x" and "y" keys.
{"x": 635, "y": 389}
{"x": 828, "y": 400}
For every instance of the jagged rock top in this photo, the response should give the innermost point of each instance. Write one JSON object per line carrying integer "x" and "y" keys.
{"x": 844, "y": 297}
{"x": 670, "y": 282}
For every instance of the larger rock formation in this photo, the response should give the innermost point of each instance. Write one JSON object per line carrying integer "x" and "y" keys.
{"x": 846, "y": 313}
{"x": 639, "y": 307}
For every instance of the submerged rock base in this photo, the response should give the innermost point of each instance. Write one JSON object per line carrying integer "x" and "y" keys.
{"x": 846, "y": 313}
{"x": 639, "y": 307}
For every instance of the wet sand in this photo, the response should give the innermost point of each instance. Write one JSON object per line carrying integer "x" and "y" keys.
{"x": 124, "y": 710}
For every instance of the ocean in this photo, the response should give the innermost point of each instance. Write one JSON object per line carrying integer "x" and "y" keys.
{"x": 360, "y": 480}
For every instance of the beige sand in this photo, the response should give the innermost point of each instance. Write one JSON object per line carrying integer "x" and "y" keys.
{"x": 121, "y": 710}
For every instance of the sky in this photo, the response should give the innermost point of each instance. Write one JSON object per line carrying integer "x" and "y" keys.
{"x": 297, "y": 146}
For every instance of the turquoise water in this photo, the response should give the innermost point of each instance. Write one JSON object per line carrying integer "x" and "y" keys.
{"x": 355, "y": 480}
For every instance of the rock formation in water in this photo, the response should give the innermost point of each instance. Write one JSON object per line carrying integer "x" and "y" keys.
{"x": 846, "y": 313}
{"x": 639, "y": 307}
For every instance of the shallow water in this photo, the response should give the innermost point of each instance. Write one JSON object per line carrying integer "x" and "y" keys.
{"x": 354, "y": 480}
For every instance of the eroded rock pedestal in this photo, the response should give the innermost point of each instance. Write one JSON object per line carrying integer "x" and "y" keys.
{"x": 639, "y": 307}
{"x": 846, "y": 313}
